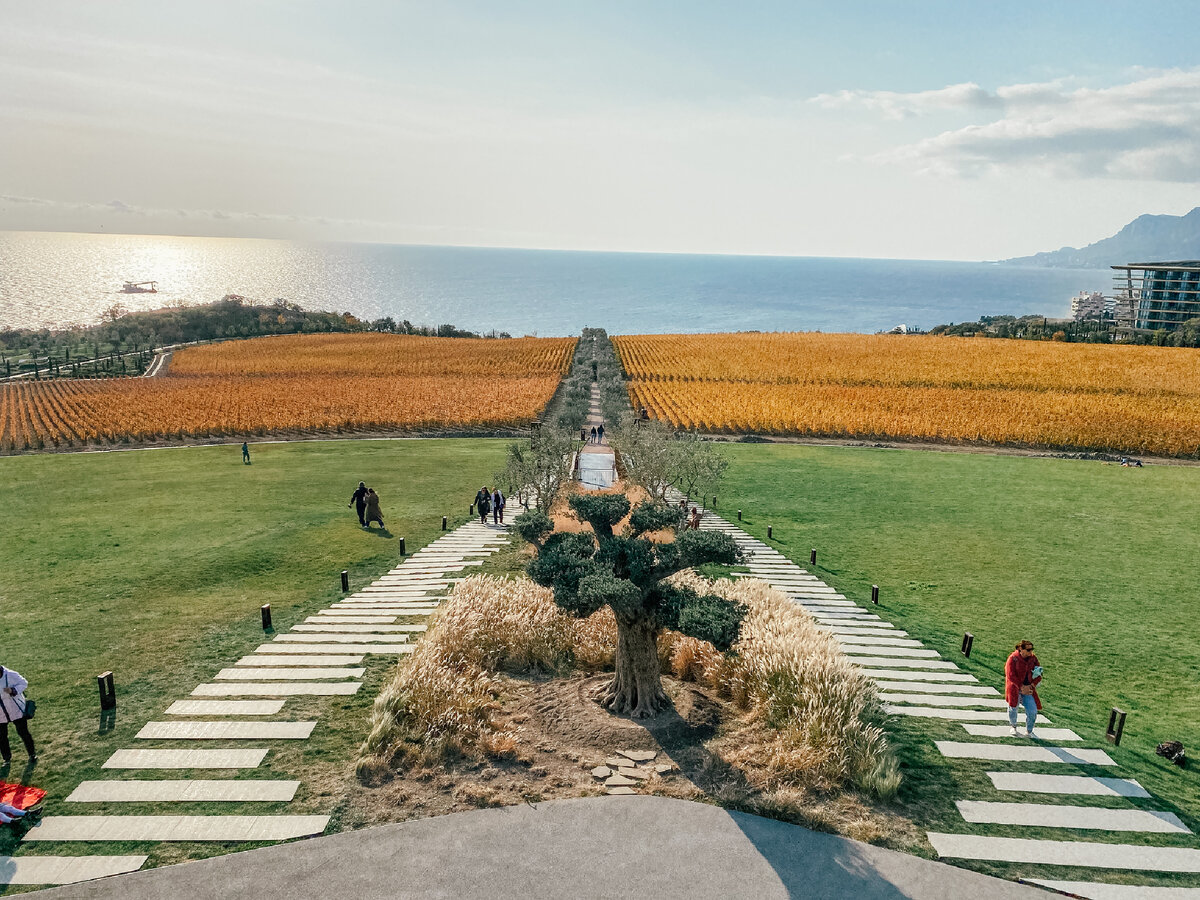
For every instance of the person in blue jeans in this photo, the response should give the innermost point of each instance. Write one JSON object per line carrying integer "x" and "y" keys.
{"x": 1021, "y": 676}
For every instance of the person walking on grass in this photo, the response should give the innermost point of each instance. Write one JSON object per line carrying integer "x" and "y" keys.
{"x": 373, "y": 513}
{"x": 497, "y": 507}
{"x": 245, "y": 454}
{"x": 483, "y": 504}
{"x": 359, "y": 501}
{"x": 12, "y": 711}
{"x": 1021, "y": 676}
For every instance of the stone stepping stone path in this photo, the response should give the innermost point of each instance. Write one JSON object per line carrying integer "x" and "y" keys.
{"x": 1055, "y": 816}
{"x": 189, "y": 791}
{"x": 321, "y": 656}
{"x": 225, "y": 707}
{"x": 919, "y": 683}
{"x": 629, "y": 769}
{"x": 220, "y": 731}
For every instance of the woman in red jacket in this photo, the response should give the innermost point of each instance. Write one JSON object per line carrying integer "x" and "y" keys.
{"x": 1020, "y": 686}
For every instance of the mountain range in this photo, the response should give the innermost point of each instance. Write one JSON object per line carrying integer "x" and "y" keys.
{"x": 1145, "y": 239}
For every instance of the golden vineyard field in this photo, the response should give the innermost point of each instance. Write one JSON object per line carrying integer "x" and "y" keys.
{"x": 942, "y": 389}
{"x": 318, "y": 383}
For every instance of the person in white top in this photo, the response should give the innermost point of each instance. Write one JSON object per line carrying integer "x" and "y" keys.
{"x": 12, "y": 709}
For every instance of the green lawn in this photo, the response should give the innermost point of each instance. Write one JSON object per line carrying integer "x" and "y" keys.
{"x": 154, "y": 563}
{"x": 1094, "y": 563}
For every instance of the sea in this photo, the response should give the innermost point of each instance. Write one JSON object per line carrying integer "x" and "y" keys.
{"x": 54, "y": 280}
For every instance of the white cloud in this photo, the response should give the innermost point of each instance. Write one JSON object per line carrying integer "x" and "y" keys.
{"x": 1144, "y": 130}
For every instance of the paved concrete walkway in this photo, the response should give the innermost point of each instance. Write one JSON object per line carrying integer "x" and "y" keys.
{"x": 597, "y": 464}
{"x": 639, "y": 847}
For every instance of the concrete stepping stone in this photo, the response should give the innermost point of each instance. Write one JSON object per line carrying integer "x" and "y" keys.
{"x": 1003, "y": 731}
{"x": 1049, "y": 815}
{"x": 176, "y": 828}
{"x": 64, "y": 869}
{"x": 186, "y": 759}
{"x": 836, "y": 620}
{"x": 955, "y": 715}
{"x": 952, "y": 688}
{"x": 1028, "y": 751}
{"x": 619, "y": 780}
{"x": 276, "y": 689}
{"x": 939, "y": 700}
{"x": 851, "y": 650}
{"x": 324, "y": 638}
{"x": 868, "y": 662}
{"x": 266, "y": 673}
{"x": 1082, "y": 785}
{"x": 847, "y": 615}
{"x": 191, "y": 790}
{"x": 338, "y": 628}
{"x": 640, "y": 756}
{"x": 1066, "y": 853}
{"x": 1092, "y": 890}
{"x": 918, "y": 676}
{"x": 350, "y": 620}
{"x": 327, "y": 648}
{"x": 285, "y": 661}
{"x": 226, "y": 731}
{"x": 410, "y": 611}
{"x": 864, "y": 630}
{"x": 225, "y": 707}
{"x": 863, "y": 640}
{"x": 601, "y": 772}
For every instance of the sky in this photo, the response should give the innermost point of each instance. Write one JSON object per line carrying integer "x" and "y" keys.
{"x": 922, "y": 130}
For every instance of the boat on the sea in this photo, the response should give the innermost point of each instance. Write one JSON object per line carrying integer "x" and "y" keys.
{"x": 140, "y": 287}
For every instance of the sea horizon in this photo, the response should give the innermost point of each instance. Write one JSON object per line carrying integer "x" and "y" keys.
{"x": 54, "y": 279}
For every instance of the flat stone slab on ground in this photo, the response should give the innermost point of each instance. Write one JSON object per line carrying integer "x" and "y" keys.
{"x": 601, "y": 772}
{"x": 903, "y": 652}
{"x": 326, "y": 648}
{"x": 918, "y": 676}
{"x": 941, "y": 688}
{"x": 1004, "y": 731}
{"x": 635, "y": 774}
{"x": 335, "y": 628}
{"x": 1097, "y": 891}
{"x": 176, "y": 828}
{"x": 619, "y": 781}
{"x": 277, "y": 689}
{"x": 834, "y": 620}
{"x": 267, "y": 673}
{"x": 1028, "y": 751}
{"x": 226, "y": 731}
{"x": 1066, "y": 853}
{"x": 871, "y": 640}
{"x": 638, "y": 755}
{"x": 186, "y": 759}
{"x": 225, "y": 707}
{"x": 940, "y": 700}
{"x": 621, "y": 791}
{"x": 64, "y": 869}
{"x": 1082, "y": 785}
{"x": 615, "y": 762}
{"x": 956, "y": 715}
{"x": 328, "y": 638}
{"x": 333, "y": 619}
{"x": 887, "y": 662}
{"x": 412, "y": 612}
{"x": 871, "y": 631}
{"x": 1049, "y": 815}
{"x": 191, "y": 790}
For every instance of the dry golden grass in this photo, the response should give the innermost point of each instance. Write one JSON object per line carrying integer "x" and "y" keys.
{"x": 819, "y": 713}
{"x": 321, "y": 383}
{"x": 945, "y": 389}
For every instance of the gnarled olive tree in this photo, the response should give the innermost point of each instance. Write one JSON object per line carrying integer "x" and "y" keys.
{"x": 627, "y": 572}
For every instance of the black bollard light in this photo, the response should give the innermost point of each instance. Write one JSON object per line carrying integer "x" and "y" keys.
{"x": 769, "y": 530}
{"x": 345, "y": 579}
{"x": 402, "y": 550}
{"x": 714, "y": 501}
{"x": 875, "y": 594}
{"x": 108, "y": 690}
{"x": 967, "y": 642}
{"x": 265, "y": 609}
{"x": 812, "y": 557}
{"x": 443, "y": 523}
{"x": 739, "y": 515}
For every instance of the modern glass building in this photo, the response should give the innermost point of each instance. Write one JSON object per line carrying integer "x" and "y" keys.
{"x": 1157, "y": 295}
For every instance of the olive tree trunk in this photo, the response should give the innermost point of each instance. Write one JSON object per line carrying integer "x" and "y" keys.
{"x": 636, "y": 689}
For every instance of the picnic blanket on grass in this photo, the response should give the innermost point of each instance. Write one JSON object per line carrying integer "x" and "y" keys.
{"x": 20, "y": 795}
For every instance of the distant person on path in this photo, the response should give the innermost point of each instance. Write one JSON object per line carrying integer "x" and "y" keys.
{"x": 583, "y": 434}
{"x": 497, "y": 507}
{"x": 600, "y": 433}
{"x": 12, "y": 710}
{"x": 359, "y": 501}
{"x": 694, "y": 525}
{"x": 683, "y": 512}
{"x": 1021, "y": 676}
{"x": 483, "y": 504}
{"x": 593, "y": 440}
{"x": 245, "y": 453}
{"x": 373, "y": 513}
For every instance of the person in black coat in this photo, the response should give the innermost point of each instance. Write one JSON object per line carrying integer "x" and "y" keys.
{"x": 359, "y": 501}
{"x": 483, "y": 504}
